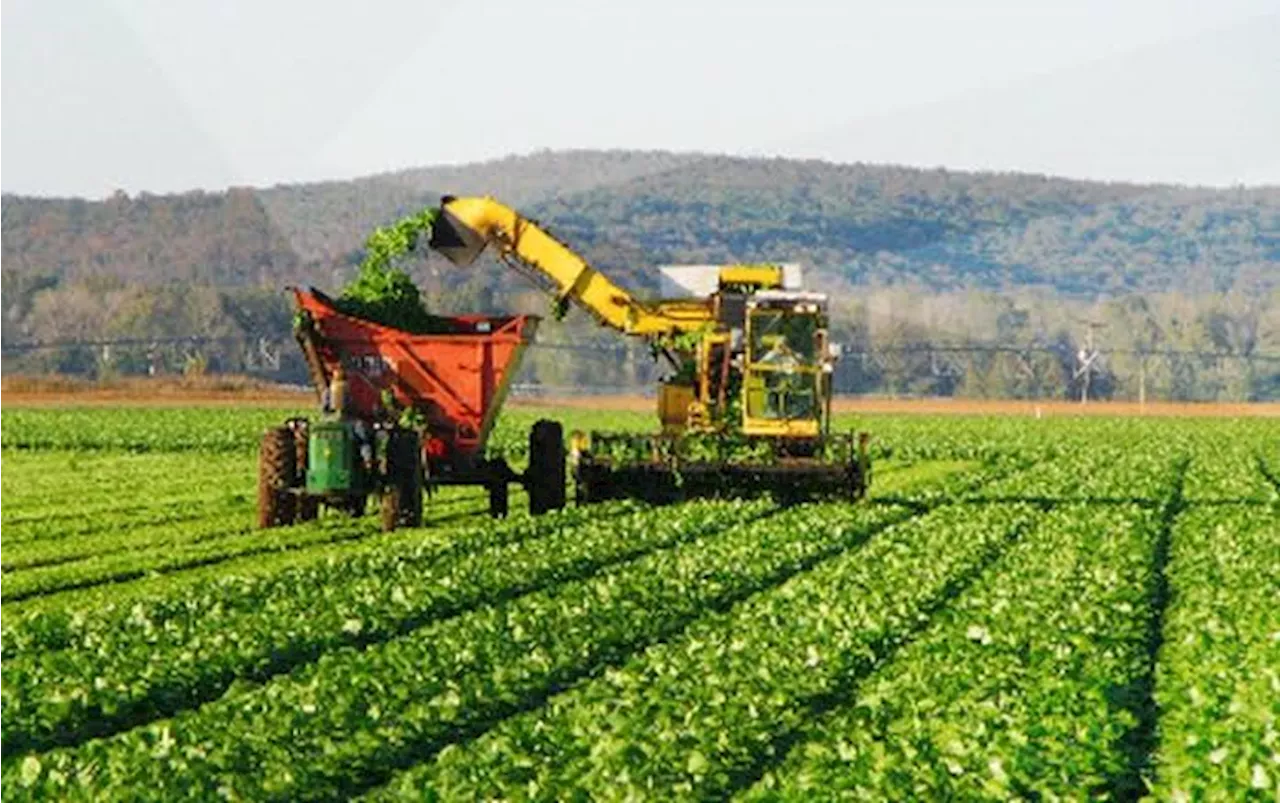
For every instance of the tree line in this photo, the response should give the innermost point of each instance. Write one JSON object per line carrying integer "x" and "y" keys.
{"x": 901, "y": 341}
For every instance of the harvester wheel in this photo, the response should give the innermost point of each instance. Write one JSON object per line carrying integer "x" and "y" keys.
{"x": 402, "y": 498}
{"x": 498, "y": 499}
{"x": 277, "y": 468}
{"x": 860, "y": 469}
{"x": 545, "y": 476}
{"x": 857, "y": 481}
{"x": 308, "y": 507}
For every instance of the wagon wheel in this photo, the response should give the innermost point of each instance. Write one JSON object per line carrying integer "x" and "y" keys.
{"x": 498, "y": 499}
{"x": 545, "y": 476}
{"x": 402, "y": 497}
{"x": 356, "y": 505}
{"x": 277, "y": 470}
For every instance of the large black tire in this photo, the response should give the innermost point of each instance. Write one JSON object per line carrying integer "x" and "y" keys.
{"x": 402, "y": 498}
{"x": 277, "y": 473}
{"x": 860, "y": 470}
{"x": 857, "y": 481}
{"x": 499, "y": 500}
{"x": 545, "y": 476}
{"x": 308, "y": 507}
{"x": 355, "y": 505}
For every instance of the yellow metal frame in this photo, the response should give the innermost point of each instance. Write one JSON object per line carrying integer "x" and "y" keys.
{"x": 761, "y": 276}
{"x": 613, "y": 306}
{"x": 480, "y": 221}
{"x": 781, "y": 427}
{"x": 489, "y": 221}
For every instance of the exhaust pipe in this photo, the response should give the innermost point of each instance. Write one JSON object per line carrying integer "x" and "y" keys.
{"x": 458, "y": 242}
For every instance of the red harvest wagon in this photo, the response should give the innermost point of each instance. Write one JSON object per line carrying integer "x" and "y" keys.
{"x": 454, "y": 380}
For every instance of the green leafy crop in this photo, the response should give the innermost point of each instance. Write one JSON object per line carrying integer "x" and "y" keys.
{"x": 1073, "y": 609}
{"x": 384, "y": 293}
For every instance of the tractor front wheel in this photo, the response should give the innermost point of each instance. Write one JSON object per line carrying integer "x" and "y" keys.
{"x": 545, "y": 476}
{"x": 277, "y": 474}
{"x": 308, "y": 507}
{"x": 402, "y": 497}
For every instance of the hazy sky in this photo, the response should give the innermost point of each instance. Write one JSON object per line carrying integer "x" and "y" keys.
{"x": 166, "y": 95}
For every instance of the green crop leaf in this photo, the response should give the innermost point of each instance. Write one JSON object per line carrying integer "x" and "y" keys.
{"x": 384, "y": 293}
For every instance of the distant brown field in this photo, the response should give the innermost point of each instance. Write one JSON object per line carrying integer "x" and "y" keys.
{"x": 231, "y": 391}
{"x": 21, "y": 391}
{"x": 1056, "y": 407}
{"x": 944, "y": 406}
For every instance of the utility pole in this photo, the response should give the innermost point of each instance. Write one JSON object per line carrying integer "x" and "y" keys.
{"x": 1086, "y": 358}
{"x": 1142, "y": 382}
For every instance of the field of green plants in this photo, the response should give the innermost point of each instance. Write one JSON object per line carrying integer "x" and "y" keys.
{"x": 1023, "y": 609}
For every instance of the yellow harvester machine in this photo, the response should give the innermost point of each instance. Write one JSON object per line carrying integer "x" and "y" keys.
{"x": 747, "y": 407}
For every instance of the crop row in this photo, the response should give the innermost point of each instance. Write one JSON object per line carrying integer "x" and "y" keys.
{"x": 121, "y": 673}
{"x": 1228, "y": 473}
{"x": 237, "y": 430}
{"x": 186, "y": 528}
{"x": 701, "y": 716}
{"x": 344, "y": 722}
{"x": 161, "y": 590}
{"x": 153, "y": 430}
{"x": 50, "y": 540}
{"x": 1010, "y": 693}
{"x": 72, "y": 626}
{"x": 1037, "y": 685}
{"x": 1218, "y": 682}
{"x": 689, "y": 717}
{"x": 452, "y": 585}
{"x": 44, "y": 480}
{"x": 1091, "y": 477}
{"x": 234, "y": 541}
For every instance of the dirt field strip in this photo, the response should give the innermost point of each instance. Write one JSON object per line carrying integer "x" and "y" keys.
{"x": 20, "y": 392}
{"x": 943, "y": 406}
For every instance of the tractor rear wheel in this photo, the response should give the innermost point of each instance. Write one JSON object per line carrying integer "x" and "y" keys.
{"x": 402, "y": 497}
{"x": 308, "y": 507}
{"x": 277, "y": 470}
{"x": 545, "y": 476}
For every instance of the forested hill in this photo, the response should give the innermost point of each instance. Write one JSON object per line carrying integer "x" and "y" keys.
{"x": 628, "y": 211}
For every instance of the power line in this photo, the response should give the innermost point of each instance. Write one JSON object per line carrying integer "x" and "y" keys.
{"x": 1061, "y": 350}
{"x": 150, "y": 342}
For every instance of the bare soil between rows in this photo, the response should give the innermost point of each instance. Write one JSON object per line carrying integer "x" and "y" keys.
{"x": 944, "y": 406}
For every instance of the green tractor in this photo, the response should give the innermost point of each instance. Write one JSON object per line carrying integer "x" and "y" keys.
{"x": 340, "y": 461}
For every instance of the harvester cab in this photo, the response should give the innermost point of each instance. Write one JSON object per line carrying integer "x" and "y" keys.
{"x": 787, "y": 366}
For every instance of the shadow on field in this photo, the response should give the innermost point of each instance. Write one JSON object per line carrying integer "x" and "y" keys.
{"x": 1268, "y": 473}
{"x": 1047, "y": 503}
{"x": 1140, "y": 742}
